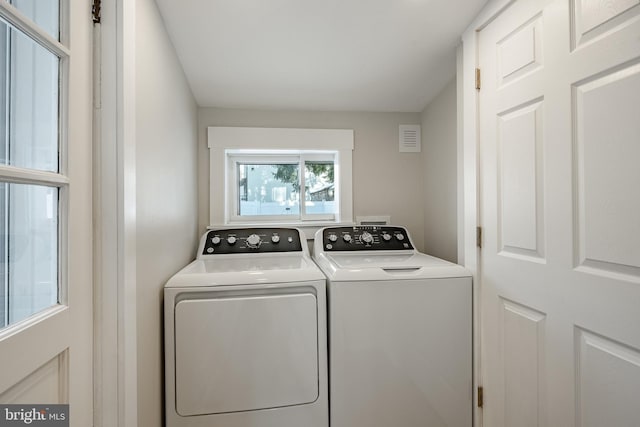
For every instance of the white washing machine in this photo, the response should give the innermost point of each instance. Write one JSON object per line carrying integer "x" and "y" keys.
{"x": 245, "y": 333}
{"x": 400, "y": 322}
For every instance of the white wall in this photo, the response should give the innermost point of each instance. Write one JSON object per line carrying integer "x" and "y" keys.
{"x": 439, "y": 143}
{"x": 166, "y": 187}
{"x": 385, "y": 181}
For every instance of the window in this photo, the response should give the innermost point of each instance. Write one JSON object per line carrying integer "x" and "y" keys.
{"x": 319, "y": 185}
{"x": 265, "y": 189}
{"x": 291, "y": 176}
{"x": 282, "y": 186}
{"x": 32, "y": 183}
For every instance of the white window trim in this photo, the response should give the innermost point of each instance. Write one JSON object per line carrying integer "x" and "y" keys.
{"x": 235, "y": 139}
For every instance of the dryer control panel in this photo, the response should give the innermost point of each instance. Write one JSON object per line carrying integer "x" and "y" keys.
{"x": 366, "y": 238}
{"x": 251, "y": 240}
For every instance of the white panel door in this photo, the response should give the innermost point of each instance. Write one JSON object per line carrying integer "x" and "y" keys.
{"x": 46, "y": 307}
{"x": 560, "y": 210}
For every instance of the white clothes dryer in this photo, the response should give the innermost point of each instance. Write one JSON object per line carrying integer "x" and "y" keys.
{"x": 400, "y": 331}
{"x": 245, "y": 333}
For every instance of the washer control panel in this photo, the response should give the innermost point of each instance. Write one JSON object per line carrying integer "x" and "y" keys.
{"x": 252, "y": 240}
{"x": 366, "y": 238}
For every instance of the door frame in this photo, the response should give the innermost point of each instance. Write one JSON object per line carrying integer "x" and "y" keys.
{"x": 469, "y": 174}
{"x": 114, "y": 204}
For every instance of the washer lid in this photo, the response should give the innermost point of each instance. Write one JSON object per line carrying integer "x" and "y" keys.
{"x": 228, "y": 270}
{"x": 386, "y": 266}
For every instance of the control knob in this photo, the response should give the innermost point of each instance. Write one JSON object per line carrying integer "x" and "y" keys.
{"x": 275, "y": 239}
{"x": 366, "y": 237}
{"x": 386, "y": 237}
{"x": 333, "y": 237}
{"x": 347, "y": 238}
{"x": 215, "y": 240}
{"x": 231, "y": 240}
{"x": 253, "y": 241}
{"x": 400, "y": 236}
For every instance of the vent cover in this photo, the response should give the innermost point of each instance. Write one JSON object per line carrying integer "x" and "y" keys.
{"x": 373, "y": 220}
{"x": 410, "y": 139}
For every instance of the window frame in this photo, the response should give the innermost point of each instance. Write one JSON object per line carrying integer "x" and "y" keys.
{"x": 59, "y": 179}
{"x": 273, "y": 157}
{"x": 228, "y": 144}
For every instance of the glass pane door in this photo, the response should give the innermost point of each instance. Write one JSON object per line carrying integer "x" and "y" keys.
{"x": 29, "y": 144}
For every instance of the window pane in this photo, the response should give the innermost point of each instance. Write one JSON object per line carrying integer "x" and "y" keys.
{"x": 45, "y": 13}
{"x": 268, "y": 189}
{"x": 28, "y": 250}
{"x": 319, "y": 188}
{"x": 29, "y": 122}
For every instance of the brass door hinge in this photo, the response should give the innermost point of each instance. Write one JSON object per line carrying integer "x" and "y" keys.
{"x": 478, "y": 81}
{"x": 480, "y": 397}
{"x": 95, "y": 11}
{"x": 479, "y": 237}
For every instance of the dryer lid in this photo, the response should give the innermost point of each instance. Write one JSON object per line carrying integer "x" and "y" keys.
{"x": 229, "y": 270}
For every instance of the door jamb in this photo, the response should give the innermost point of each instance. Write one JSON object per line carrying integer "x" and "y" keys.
{"x": 114, "y": 205}
{"x": 469, "y": 175}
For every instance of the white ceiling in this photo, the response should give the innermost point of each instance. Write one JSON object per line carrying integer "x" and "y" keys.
{"x": 335, "y": 55}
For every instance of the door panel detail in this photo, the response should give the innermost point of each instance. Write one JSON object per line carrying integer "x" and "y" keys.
{"x": 607, "y": 381}
{"x": 47, "y": 384}
{"x": 607, "y": 126}
{"x": 520, "y": 52}
{"x": 523, "y": 338}
{"x": 594, "y": 18}
{"x": 520, "y": 182}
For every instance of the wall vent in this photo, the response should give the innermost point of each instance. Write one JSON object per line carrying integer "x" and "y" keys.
{"x": 373, "y": 220}
{"x": 410, "y": 139}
